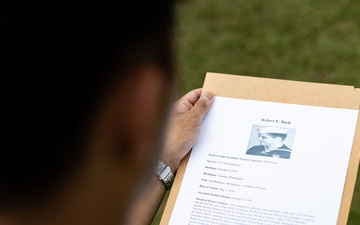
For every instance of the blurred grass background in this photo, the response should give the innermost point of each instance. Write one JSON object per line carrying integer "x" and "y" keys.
{"x": 305, "y": 40}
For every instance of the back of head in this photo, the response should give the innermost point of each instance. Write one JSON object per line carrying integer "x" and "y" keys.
{"x": 57, "y": 60}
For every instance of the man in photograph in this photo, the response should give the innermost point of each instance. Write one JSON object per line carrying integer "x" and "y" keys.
{"x": 271, "y": 143}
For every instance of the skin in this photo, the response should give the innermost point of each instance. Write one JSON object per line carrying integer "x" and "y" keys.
{"x": 270, "y": 143}
{"x": 182, "y": 133}
{"x": 115, "y": 183}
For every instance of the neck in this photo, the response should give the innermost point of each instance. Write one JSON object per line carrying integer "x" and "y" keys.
{"x": 273, "y": 147}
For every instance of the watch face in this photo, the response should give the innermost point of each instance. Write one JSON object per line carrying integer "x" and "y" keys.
{"x": 159, "y": 168}
{"x": 165, "y": 174}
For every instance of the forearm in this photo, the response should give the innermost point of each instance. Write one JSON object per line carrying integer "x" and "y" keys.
{"x": 181, "y": 136}
{"x": 145, "y": 207}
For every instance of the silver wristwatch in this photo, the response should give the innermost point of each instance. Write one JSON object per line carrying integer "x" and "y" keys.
{"x": 165, "y": 175}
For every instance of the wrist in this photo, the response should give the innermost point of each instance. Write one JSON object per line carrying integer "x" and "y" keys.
{"x": 171, "y": 161}
{"x": 165, "y": 174}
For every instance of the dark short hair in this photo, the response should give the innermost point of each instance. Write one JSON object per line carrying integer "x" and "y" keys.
{"x": 56, "y": 62}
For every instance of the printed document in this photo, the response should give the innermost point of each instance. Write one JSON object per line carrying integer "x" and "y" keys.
{"x": 267, "y": 163}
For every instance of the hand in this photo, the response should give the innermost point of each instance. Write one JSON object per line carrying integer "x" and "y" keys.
{"x": 184, "y": 126}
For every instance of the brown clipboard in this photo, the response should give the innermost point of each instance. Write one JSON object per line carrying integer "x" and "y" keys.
{"x": 284, "y": 91}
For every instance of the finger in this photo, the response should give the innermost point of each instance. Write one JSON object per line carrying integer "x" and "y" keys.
{"x": 203, "y": 105}
{"x": 192, "y": 96}
{"x": 207, "y": 95}
{"x": 187, "y": 101}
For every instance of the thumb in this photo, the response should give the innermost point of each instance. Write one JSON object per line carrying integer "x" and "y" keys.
{"x": 203, "y": 105}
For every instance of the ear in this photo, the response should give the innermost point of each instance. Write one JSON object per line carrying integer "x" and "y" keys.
{"x": 279, "y": 139}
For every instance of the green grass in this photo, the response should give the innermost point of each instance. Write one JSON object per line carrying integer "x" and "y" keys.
{"x": 306, "y": 40}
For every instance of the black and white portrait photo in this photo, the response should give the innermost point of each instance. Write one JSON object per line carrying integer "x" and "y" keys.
{"x": 271, "y": 141}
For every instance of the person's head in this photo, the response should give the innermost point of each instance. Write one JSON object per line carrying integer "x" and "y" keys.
{"x": 272, "y": 136}
{"x": 84, "y": 89}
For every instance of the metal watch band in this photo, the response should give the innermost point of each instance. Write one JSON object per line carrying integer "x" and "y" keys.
{"x": 165, "y": 175}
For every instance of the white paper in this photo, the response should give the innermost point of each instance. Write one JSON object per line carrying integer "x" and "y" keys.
{"x": 224, "y": 185}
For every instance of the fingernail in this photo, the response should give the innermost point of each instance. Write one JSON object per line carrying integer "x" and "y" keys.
{"x": 207, "y": 95}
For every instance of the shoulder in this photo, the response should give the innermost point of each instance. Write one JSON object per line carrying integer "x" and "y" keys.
{"x": 255, "y": 149}
{"x": 285, "y": 147}
{"x": 283, "y": 152}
